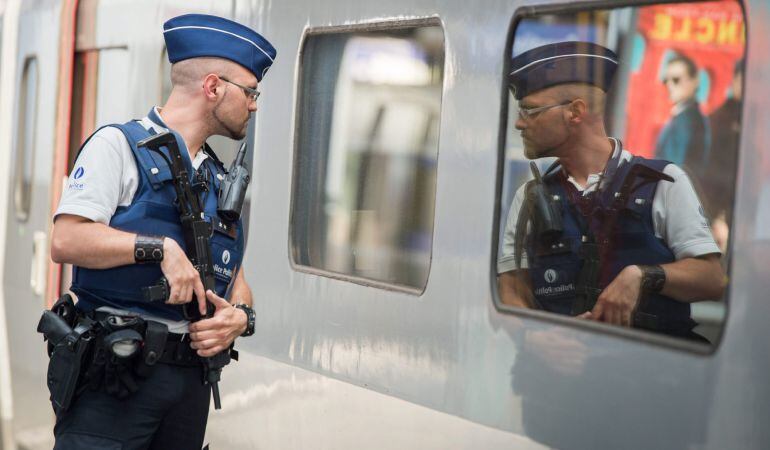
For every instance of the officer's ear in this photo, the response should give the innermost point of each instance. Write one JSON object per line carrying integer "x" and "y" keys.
{"x": 576, "y": 111}
{"x": 211, "y": 86}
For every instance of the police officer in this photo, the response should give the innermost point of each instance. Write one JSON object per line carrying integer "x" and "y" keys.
{"x": 642, "y": 252}
{"x": 118, "y": 225}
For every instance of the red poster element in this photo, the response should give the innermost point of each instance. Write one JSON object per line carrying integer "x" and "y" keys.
{"x": 712, "y": 34}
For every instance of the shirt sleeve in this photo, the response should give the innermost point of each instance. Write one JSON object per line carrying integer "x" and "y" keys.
{"x": 95, "y": 186}
{"x": 679, "y": 219}
{"x": 506, "y": 262}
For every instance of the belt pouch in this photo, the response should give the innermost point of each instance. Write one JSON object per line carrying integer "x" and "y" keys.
{"x": 155, "y": 336}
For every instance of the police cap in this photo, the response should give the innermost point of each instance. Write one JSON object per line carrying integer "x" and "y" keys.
{"x": 563, "y": 62}
{"x": 196, "y": 35}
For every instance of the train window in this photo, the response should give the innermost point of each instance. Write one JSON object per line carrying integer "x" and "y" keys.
{"x": 366, "y": 152}
{"x": 25, "y": 139}
{"x": 633, "y": 118}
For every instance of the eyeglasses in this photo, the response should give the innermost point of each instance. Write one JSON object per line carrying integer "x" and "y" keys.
{"x": 530, "y": 113}
{"x": 253, "y": 94}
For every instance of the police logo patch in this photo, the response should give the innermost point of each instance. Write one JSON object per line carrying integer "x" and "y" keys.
{"x": 550, "y": 276}
{"x": 225, "y": 257}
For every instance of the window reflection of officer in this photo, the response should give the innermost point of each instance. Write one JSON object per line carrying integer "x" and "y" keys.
{"x": 659, "y": 249}
{"x": 119, "y": 199}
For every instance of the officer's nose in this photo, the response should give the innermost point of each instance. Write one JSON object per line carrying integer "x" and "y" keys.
{"x": 520, "y": 123}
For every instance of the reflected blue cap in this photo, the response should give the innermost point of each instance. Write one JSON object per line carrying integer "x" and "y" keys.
{"x": 563, "y": 62}
{"x": 198, "y": 35}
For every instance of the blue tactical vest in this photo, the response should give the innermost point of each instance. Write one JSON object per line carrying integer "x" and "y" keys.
{"x": 554, "y": 272}
{"x": 152, "y": 212}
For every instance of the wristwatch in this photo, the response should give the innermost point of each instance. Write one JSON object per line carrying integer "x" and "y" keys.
{"x": 251, "y": 318}
{"x": 653, "y": 279}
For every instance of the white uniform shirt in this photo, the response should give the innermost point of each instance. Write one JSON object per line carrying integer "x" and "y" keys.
{"x": 677, "y": 217}
{"x": 106, "y": 177}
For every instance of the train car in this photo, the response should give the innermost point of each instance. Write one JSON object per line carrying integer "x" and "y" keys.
{"x": 383, "y": 161}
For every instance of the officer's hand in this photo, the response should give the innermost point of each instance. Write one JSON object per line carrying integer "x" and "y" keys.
{"x": 617, "y": 301}
{"x": 212, "y": 336}
{"x": 183, "y": 279}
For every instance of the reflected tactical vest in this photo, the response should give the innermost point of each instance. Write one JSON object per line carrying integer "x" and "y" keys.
{"x": 153, "y": 212}
{"x": 554, "y": 272}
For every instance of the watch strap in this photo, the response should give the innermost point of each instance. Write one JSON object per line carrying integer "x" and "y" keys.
{"x": 653, "y": 279}
{"x": 148, "y": 249}
{"x": 251, "y": 319}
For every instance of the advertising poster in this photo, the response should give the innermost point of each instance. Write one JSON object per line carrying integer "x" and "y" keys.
{"x": 684, "y": 97}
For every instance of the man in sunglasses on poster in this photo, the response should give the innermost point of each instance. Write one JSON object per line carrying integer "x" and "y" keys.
{"x": 602, "y": 234}
{"x": 685, "y": 138}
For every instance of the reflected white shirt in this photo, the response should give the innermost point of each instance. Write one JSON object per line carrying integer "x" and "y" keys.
{"x": 677, "y": 217}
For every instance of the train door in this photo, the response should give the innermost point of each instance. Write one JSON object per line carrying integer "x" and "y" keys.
{"x": 27, "y": 219}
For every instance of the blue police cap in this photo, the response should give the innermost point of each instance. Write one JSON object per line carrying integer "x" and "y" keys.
{"x": 563, "y": 62}
{"x": 197, "y": 35}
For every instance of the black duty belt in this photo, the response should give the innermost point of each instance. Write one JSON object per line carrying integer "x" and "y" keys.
{"x": 176, "y": 350}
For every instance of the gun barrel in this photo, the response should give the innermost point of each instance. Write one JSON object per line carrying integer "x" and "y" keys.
{"x": 238, "y": 161}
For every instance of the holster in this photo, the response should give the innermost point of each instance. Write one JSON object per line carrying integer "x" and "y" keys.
{"x": 69, "y": 347}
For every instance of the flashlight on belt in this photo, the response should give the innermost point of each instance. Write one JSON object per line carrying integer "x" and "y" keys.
{"x": 232, "y": 190}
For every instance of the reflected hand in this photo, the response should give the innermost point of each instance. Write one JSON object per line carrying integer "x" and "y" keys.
{"x": 214, "y": 335}
{"x": 617, "y": 301}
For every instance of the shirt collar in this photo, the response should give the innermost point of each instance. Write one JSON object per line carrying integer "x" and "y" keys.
{"x": 154, "y": 116}
{"x": 619, "y": 156}
{"x": 153, "y": 120}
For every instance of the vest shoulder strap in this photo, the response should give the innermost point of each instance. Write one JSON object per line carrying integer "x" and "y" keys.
{"x": 643, "y": 179}
{"x": 152, "y": 165}
{"x": 213, "y": 156}
{"x": 88, "y": 139}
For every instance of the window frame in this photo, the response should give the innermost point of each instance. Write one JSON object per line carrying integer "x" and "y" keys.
{"x": 24, "y": 151}
{"x": 597, "y": 328}
{"x": 309, "y": 33}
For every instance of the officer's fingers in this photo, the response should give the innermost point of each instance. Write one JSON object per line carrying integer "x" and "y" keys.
{"x": 598, "y": 311}
{"x": 626, "y": 319}
{"x": 218, "y": 301}
{"x": 185, "y": 294}
{"x": 200, "y": 295}
{"x": 209, "y": 347}
{"x": 588, "y": 315}
{"x": 173, "y": 294}
{"x": 610, "y": 312}
{"x": 203, "y": 335}
{"x": 614, "y": 316}
{"x": 211, "y": 351}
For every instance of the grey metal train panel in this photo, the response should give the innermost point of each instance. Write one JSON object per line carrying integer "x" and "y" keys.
{"x": 449, "y": 348}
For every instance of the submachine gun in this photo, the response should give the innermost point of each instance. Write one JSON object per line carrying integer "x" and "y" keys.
{"x": 197, "y": 234}
{"x": 543, "y": 210}
{"x": 595, "y": 252}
